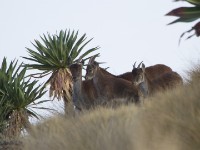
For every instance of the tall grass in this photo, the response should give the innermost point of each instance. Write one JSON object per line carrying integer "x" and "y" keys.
{"x": 168, "y": 121}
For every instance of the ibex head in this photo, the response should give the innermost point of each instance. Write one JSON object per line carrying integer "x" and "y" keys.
{"x": 76, "y": 69}
{"x": 91, "y": 67}
{"x": 138, "y": 73}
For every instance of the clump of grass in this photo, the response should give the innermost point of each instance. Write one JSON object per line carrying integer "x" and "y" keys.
{"x": 99, "y": 129}
{"x": 11, "y": 145}
{"x": 169, "y": 120}
{"x": 194, "y": 74}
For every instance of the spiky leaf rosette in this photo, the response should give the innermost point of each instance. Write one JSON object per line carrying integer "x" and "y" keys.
{"x": 194, "y": 2}
{"x": 4, "y": 112}
{"x": 55, "y": 55}
{"x": 187, "y": 14}
{"x": 16, "y": 95}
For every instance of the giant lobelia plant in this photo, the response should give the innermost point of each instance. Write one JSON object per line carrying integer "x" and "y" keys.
{"x": 17, "y": 95}
{"x": 54, "y": 56}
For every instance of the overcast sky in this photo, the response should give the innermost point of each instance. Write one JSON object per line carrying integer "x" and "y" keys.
{"x": 127, "y": 31}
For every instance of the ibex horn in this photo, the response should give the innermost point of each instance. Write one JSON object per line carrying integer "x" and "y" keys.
{"x": 101, "y": 62}
{"x": 78, "y": 60}
{"x": 134, "y": 65}
{"x": 106, "y": 68}
{"x": 93, "y": 58}
{"x": 140, "y": 64}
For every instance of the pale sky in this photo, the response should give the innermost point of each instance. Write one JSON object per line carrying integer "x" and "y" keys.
{"x": 127, "y": 31}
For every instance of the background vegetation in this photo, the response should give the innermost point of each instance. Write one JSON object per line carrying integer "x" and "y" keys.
{"x": 169, "y": 120}
{"x": 187, "y": 14}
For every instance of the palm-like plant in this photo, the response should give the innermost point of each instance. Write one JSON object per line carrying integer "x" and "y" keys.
{"x": 54, "y": 57}
{"x": 188, "y": 14}
{"x": 16, "y": 95}
{"x": 4, "y": 112}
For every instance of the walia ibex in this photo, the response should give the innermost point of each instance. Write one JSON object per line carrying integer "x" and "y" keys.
{"x": 152, "y": 72}
{"x": 84, "y": 93}
{"x": 148, "y": 86}
{"x": 110, "y": 87}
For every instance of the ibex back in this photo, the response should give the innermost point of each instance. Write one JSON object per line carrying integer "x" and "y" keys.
{"x": 163, "y": 82}
{"x": 152, "y": 72}
{"x": 110, "y": 87}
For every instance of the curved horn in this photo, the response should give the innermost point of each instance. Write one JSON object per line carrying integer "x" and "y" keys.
{"x": 134, "y": 65}
{"x": 79, "y": 60}
{"x": 106, "y": 68}
{"x": 91, "y": 60}
{"x": 101, "y": 62}
{"x": 140, "y": 64}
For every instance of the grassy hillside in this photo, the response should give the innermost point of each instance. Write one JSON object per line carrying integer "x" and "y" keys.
{"x": 169, "y": 120}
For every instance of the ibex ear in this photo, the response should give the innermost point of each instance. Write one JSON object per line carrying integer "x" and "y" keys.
{"x": 143, "y": 67}
{"x": 96, "y": 64}
{"x": 139, "y": 64}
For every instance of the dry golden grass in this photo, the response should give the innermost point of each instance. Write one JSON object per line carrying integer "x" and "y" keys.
{"x": 168, "y": 121}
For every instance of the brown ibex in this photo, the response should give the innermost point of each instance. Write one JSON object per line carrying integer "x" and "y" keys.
{"x": 110, "y": 87}
{"x": 152, "y": 72}
{"x": 148, "y": 87}
{"x": 84, "y": 93}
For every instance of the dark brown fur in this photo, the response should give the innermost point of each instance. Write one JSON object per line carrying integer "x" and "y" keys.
{"x": 165, "y": 81}
{"x": 84, "y": 92}
{"x": 168, "y": 80}
{"x": 152, "y": 72}
{"x": 110, "y": 87}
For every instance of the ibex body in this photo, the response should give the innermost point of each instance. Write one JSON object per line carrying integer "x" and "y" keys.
{"x": 110, "y": 87}
{"x": 84, "y": 92}
{"x": 152, "y": 72}
{"x": 163, "y": 82}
